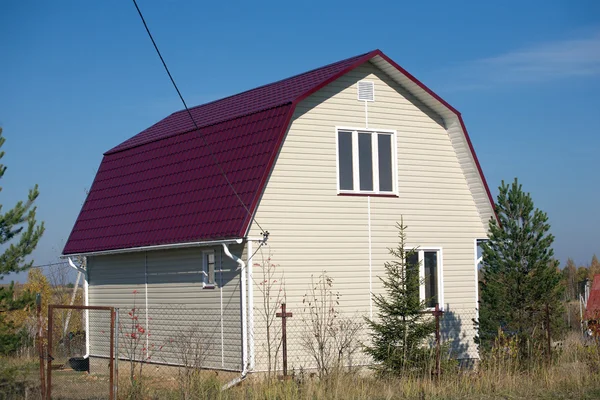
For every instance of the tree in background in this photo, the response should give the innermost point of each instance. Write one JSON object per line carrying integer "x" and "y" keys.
{"x": 521, "y": 281}
{"x": 569, "y": 274}
{"x": 19, "y": 234}
{"x": 400, "y": 332}
{"x": 594, "y": 268}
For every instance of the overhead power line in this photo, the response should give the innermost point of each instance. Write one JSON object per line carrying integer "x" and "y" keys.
{"x": 217, "y": 163}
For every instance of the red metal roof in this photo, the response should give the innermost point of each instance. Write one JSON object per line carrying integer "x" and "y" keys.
{"x": 592, "y": 308}
{"x": 162, "y": 185}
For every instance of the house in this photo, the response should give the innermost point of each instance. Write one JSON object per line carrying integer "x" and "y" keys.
{"x": 327, "y": 162}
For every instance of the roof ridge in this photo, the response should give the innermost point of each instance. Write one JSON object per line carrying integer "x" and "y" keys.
{"x": 158, "y": 139}
{"x": 275, "y": 82}
{"x": 120, "y": 147}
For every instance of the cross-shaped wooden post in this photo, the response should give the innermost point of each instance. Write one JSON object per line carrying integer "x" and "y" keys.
{"x": 284, "y": 316}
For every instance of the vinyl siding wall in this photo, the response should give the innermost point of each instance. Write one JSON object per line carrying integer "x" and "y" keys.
{"x": 313, "y": 229}
{"x": 180, "y": 310}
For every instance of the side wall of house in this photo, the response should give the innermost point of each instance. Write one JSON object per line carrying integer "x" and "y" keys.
{"x": 165, "y": 289}
{"x": 313, "y": 229}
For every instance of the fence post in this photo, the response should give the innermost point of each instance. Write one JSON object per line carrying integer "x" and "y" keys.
{"x": 40, "y": 343}
{"x": 284, "y": 316}
{"x": 112, "y": 353}
{"x": 49, "y": 356}
{"x": 116, "y": 333}
{"x": 548, "y": 333}
{"x": 438, "y": 368}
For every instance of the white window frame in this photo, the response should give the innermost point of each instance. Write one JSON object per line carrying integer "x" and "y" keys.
{"x": 375, "y": 159}
{"x": 206, "y": 282}
{"x": 440, "y": 273}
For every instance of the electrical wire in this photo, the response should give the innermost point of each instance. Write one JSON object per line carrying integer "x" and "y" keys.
{"x": 264, "y": 233}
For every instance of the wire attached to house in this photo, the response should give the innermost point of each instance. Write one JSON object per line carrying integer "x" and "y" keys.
{"x": 264, "y": 233}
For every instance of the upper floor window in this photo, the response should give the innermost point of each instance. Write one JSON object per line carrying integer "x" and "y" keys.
{"x": 366, "y": 161}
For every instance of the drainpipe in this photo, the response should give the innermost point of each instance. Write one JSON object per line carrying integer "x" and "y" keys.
{"x": 244, "y": 322}
{"x": 250, "y": 306}
{"x": 86, "y": 303}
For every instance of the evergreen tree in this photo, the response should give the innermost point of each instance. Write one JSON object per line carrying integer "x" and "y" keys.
{"x": 521, "y": 280}
{"x": 19, "y": 234}
{"x": 400, "y": 331}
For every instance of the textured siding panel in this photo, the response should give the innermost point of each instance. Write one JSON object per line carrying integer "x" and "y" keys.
{"x": 314, "y": 230}
{"x": 179, "y": 308}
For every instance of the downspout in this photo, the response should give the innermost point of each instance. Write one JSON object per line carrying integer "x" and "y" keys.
{"x": 86, "y": 303}
{"x": 249, "y": 253}
{"x": 244, "y": 315}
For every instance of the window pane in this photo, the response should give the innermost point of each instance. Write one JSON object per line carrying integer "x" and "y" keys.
{"x": 412, "y": 276}
{"x": 431, "y": 290}
{"x": 385, "y": 162}
{"x": 365, "y": 161}
{"x": 345, "y": 160}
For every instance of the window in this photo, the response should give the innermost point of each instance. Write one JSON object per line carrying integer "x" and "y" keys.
{"x": 366, "y": 161}
{"x": 429, "y": 261}
{"x": 208, "y": 269}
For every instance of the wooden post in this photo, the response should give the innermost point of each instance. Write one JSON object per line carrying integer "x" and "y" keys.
{"x": 49, "y": 356}
{"x": 284, "y": 316}
{"x": 549, "y": 334}
{"x": 437, "y": 313}
{"x": 40, "y": 343}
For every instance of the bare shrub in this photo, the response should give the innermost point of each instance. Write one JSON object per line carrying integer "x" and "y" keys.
{"x": 329, "y": 338}
{"x": 272, "y": 289}
{"x": 192, "y": 348}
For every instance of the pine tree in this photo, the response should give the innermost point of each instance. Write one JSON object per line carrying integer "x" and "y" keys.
{"x": 400, "y": 331}
{"x": 19, "y": 234}
{"x": 520, "y": 279}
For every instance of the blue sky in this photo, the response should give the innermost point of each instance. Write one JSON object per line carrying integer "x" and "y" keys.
{"x": 79, "y": 77}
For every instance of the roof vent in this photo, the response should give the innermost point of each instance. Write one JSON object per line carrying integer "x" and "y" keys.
{"x": 366, "y": 91}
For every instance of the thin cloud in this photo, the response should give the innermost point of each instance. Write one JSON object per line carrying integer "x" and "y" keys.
{"x": 544, "y": 62}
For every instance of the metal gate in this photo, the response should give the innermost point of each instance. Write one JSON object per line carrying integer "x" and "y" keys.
{"x": 81, "y": 352}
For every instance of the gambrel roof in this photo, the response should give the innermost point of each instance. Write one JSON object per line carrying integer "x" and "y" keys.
{"x": 162, "y": 186}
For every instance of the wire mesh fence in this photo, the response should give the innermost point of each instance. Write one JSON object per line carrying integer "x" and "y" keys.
{"x": 68, "y": 364}
{"x": 316, "y": 344}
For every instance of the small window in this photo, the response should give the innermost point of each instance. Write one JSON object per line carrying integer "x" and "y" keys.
{"x": 208, "y": 268}
{"x": 429, "y": 263}
{"x": 366, "y": 162}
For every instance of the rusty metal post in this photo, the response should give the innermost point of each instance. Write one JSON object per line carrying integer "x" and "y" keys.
{"x": 438, "y": 368}
{"x": 112, "y": 354}
{"x": 49, "y": 359}
{"x": 40, "y": 343}
{"x": 116, "y": 333}
{"x": 284, "y": 316}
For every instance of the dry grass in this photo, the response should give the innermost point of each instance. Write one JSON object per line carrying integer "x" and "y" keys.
{"x": 574, "y": 374}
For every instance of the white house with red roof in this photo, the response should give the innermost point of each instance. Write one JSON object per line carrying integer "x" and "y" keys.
{"x": 327, "y": 162}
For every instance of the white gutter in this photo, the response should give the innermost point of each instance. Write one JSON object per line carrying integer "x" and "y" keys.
{"x": 156, "y": 247}
{"x": 244, "y": 327}
{"x": 86, "y": 303}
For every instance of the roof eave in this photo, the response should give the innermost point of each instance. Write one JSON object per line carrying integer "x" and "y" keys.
{"x": 156, "y": 247}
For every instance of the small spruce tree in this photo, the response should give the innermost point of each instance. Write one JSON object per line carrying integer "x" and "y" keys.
{"x": 520, "y": 279}
{"x": 19, "y": 234}
{"x": 399, "y": 333}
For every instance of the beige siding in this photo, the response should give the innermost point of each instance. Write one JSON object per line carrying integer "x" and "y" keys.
{"x": 179, "y": 309}
{"x": 314, "y": 229}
